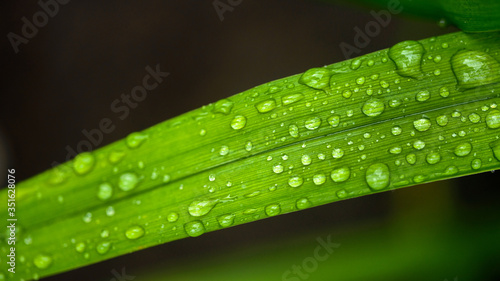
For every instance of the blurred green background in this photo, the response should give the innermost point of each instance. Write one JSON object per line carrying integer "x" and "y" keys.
{"x": 66, "y": 77}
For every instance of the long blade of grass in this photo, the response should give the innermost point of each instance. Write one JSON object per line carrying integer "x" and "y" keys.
{"x": 420, "y": 111}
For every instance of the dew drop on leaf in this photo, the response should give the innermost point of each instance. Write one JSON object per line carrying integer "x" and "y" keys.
{"x": 238, "y": 122}
{"x": 42, "y": 261}
{"x": 226, "y": 220}
{"x": 319, "y": 179}
{"x": 83, "y": 163}
{"x": 293, "y": 98}
{"x": 128, "y": 181}
{"x": 334, "y": 120}
{"x": 266, "y": 106}
{"x": 337, "y": 153}
{"x": 134, "y": 140}
{"x": 340, "y": 174}
{"x": 312, "y": 123}
{"x": 407, "y": 56}
{"x": 493, "y": 119}
{"x": 278, "y": 168}
{"x": 200, "y": 208}
{"x": 223, "y": 106}
{"x": 474, "y": 68}
{"x": 463, "y": 149}
{"x": 373, "y": 107}
{"x": 172, "y": 217}
{"x": 134, "y": 232}
{"x": 293, "y": 130}
{"x": 303, "y": 203}
{"x": 103, "y": 247}
{"x": 306, "y": 159}
{"x": 476, "y": 164}
{"x": 105, "y": 191}
{"x": 433, "y": 158}
{"x": 378, "y": 176}
{"x": 316, "y": 78}
{"x": 272, "y": 210}
{"x": 194, "y": 228}
{"x": 422, "y": 124}
{"x": 423, "y": 95}
{"x": 295, "y": 181}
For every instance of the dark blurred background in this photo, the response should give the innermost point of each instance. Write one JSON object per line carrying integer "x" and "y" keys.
{"x": 64, "y": 79}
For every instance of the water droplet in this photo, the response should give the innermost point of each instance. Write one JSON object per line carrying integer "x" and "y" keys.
{"x": 266, "y": 106}
{"x": 394, "y": 103}
{"x": 384, "y": 84}
{"x": 411, "y": 158}
{"x": 248, "y": 146}
{"x": 293, "y": 130}
{"x": 340, "y": 174}
{"x": 172, "y": 217}
{"x": 306, "y": 159}
{"x": 103, "y": 247}
{"x": 293, "y": 98}
{"x": 134, "y": 140}
{"x": 463, "y": 149}
{"x": 373, "y": 107}
{"x": 360, "y": 80}
{"x": 312, "y": 123}
{"x": 474, "y": 117}
{"x": 303, "y": 203}
{"x": 278, "y": 168}
{"x": 116, "y": 156}
{"x": 474, "y": 68}
{"x": 128, "y": 181}
{"x": 83, "y": 163}
{"x": 87, "y": 217}
{"x": 355, "y": 63}
{"x": 347, "y": 94}
{"x": 433, "y": 158}
{"x": 495, "y": 147}
{"x": 104, "y": 233}
{"x": 407, "y": 56}
{"x": 105, "y": 191}
{"x": 110, "y": 211}
{"x": 444, "y": 92}
{"x": 418, "y": 144}
{"x": 321, "y": 156}
{"x": 223, "y": 106}
{"x": 238, "y": 122}
{"x": 319, "y": 179}
{"x": 423, "y": 95}
{"x": 42, "y": 261}
{"x": 442, "y": 120}
{"x": 334, "y": 120}
{"x": 203, "y": 132}
{"x": 493, "y": 119}
{"x": 422, "y": 124}
{"x": 378, "y": 176}
{"x": 337, "y": 153}
{"x": 396, "y": 130}
{"x": 273, "y": 210}
{"x": 194, "y": 228}
{"x": 80, "y": 247}
{"x": 395, "y": 150}
{"x": 226, "y": 220}
{"x": 134, "y": 232}
{"x": 476, "y": 164}
{"x": 316, "y": 78}
{"x": 200, "y": 208}
{"x": 295, "y": 181}
{"x": 253, "y": 194}
{"x": 224, "y": 150}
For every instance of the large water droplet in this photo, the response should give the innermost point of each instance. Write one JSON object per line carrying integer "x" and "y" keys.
{"x": 266, "y": 106}
{"x": 319, "y": 179}
{"x": 423, "y": 95}
{"x": 474, "y": 68}
{"x": 476, "y": 164}
{"x": 407, "y": 56}
{"x": 378, "y": 176}
{"x": 103, "y": 247}
{"x": 42, "y": 261}
{"x": 306, "y": 159}
{"x": 105, "y": 191}
{"x": 463, "y": 149}
{"x": 419, "y": 144}
{"x": 422, "y": 124}
{"x": 224, "y": 150}
{"x": 293, "y": 98}
{"x": 200, "y": 208}
{"x": 295, "y": 181}
{"x": 474, "y": 117}
{"x": 312, "y": 123}
{"x": 495, "y": 147}
{"x": 293, "y": 130}
{"x": 396, "y": 130}
{"x": 493, "y": 119}
{"x": 223, "y": 106}
{"x": 303, "y": 203}
{"x": 337, "y": 153}
{"x": 433, "y": 158}
{"x": 194, "y": 228}
{"x": 134, "y": 232}
{"x": 128, "y": 181}
{"x": 340, "y": 174}
{"x": 238, "y": 122}
{"x": 373, "y": 107}
{"x": 273, "y": 210}
{"x": 135, "y": 139}
{"x": 83, "y": 163}
{"x": 334, "y": 120}
{"x": 442, "y": 120}
{"x": 226, "y": 220}
{"x": 172, "y": 217}
{"x": 278, "y": 168}
{"x": 411, "y": 158}
{"x": 316, "y": 78}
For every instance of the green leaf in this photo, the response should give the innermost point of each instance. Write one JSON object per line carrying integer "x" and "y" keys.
{"x": 421, "y": 111}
